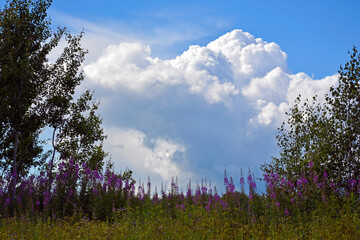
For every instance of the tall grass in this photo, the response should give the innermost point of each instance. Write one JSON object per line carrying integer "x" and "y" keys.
{"x": 75, "y": 201}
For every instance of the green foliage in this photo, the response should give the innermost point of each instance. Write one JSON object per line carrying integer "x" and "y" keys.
{"x": 36, "y": 94}
{"x": 193, "y": 223}
{"x": 325, "y": 134}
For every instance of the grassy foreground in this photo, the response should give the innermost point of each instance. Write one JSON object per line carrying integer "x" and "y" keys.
{"x": 75, "y": 202}
{"x": 195, "y": 223}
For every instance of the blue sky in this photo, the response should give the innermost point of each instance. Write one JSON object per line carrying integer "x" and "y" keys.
{"x": 190, "y": 88}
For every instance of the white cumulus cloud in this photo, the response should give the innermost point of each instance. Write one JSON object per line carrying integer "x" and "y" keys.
{"x": 215, "y": 71}
{"x": 236, "y": 63}
{"x": 129, "y": 149}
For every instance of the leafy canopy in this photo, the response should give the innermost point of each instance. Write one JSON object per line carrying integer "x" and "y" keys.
{"x": 36, "y": 94}
{"x": 328, "y": 135}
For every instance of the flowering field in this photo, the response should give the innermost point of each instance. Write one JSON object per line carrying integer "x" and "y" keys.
{"x": 75, "y": 202}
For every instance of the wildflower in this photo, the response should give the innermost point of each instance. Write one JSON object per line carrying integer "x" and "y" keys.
{"x": 315, "y": 178}
{"x": 277, "y": 204}
{"x": 292, "y": 200}
{"x": 304, "y": 181}
{"x": 251, "y": 197}
{"x": 291, "y": 185}
{"x": 272, "y": 195}
{"x": 311, "y": 164}
{"x": 266, "y": 178}
{"x": 207, "y": 207}
{"x": 188, "y": 193}
{"x": 253, "y": 185}
{"x": 300, "y": 194}
{"x": 204, "y": 189}
{"x": 286, "y": 212}
{"x": 223, "y": 204}
{"x": 325, "y": 175}
{"x": 87, "y": 171}
{"x": 298, "y": 182}
{"x": 283, "y": 181}
{"x": 7, "y": 202}
{"x": 324, "y": 198}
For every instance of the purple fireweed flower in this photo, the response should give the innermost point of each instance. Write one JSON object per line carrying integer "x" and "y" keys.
{"x": 272, "y": 195}
{"x": 149, "y": 184}
{"x": 291, "y": 185}
{"x": 300, "y": 194}
{"x": 253, "y": 185}
{"x": 155, "y": 198}
{"x": 182, "y": 207}
{"x": 251, "y": 197}
{"x": 242, "y": 181}
{"x": 352, "y": 183}
{"x": 197, "y": 192}
{"x": 61, "y": 166}
{"x": 304, "y": 181}
{"x": 320, "y": 185}
{"x": 277, "y": 204}
{"x": 174, "y": 187}
{"x": 266, "y": 178}
{"x": 204, "y": 189}
{"x": 188, "y": 193}
{"x": 325, "y": 175}
{"x": 230, "y": 188}
{"x": 118, "y": 183}
{"x": 70, "y": 193}
{"x": 315, "y": 179}
{"x": 275, "y": 177}
{"x": 298, "y": 182}
{"x": 332, "y": 185}
{"x": 226, "y": 181}
{"x": 311, "y": 164}
{"x": 286, "y": 212}
{"x": 132, "y": 189}
{"x": 71, "y": 162}
{"x": 324, "y": 198}
{"x": 37, "y": 203}
{"x": 223, "y": 204}
{"x": 249, "y": 179}
{"x": 283, "y": 181}
{"x": 7, "y": 202}
{"x": 207, "y": 207}
{"x": 14, "y": 174}
{"x": 96, "y": 174}
{"x": 292, "y": 200}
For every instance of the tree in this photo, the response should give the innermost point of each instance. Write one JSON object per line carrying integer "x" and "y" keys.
{"x": 325, "y": 134}
{"x": 36, "y": 93}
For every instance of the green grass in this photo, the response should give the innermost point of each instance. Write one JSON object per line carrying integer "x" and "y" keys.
{"x": 193, "y": 223}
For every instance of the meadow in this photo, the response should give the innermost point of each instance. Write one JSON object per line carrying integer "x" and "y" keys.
{"x": 75, "y": 202}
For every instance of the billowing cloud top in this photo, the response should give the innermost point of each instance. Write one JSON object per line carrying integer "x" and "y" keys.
{"x": 183, "y": 98}
{"x": 215, "y": 71}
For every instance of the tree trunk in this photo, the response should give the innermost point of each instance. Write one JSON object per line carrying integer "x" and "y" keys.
{"x": 14, "y": 167}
